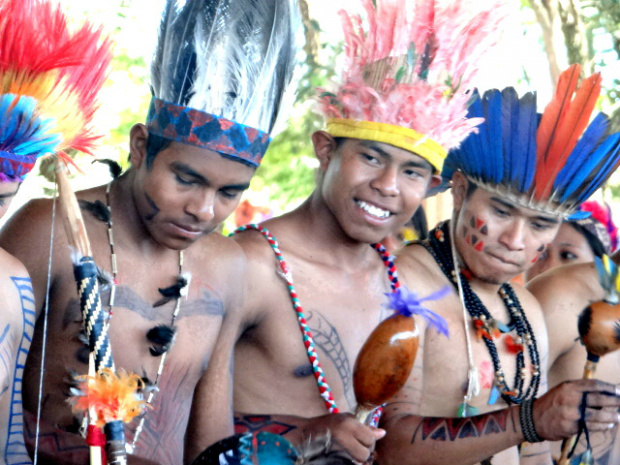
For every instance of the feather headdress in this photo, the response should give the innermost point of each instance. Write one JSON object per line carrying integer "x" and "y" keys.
{"x": 49, "y": 79}
{"x": 551, "y": 162}
{"x": 220, "y": 71}
{"x": 407, "y": 73}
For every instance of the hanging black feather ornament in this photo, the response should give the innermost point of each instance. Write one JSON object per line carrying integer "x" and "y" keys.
{"x": 176, "y": 291}
{"x": 113, "y": 166}
{"x": 162, "y": 338}
{"x": 97, "y": 208}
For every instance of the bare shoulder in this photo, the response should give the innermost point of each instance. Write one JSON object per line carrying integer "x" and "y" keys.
{"x": 26, "y": 234}
{"x": 11, "y": 266}
{"x": 259, "y": 252}
{"x": 528, "y": 302}
{"x": 13, "y": 277}
{"x": 417, "y": 268}
{"x": 565, "y": 284}
{"x": 218, "y": 260}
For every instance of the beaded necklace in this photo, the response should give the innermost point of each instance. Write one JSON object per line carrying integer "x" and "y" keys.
{"x": 111, "y": 302}
{"x": 489, "y": 329}
{"x": 285, "y": 272}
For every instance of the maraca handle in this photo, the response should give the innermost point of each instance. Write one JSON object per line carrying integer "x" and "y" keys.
{"x": 568, "y": 444}
{"x": 363, "y": 413}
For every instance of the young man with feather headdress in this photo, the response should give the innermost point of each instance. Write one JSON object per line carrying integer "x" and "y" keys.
{"x": 512, "y": 183}
{"x": 316, "y": 269}
{"x": 151, "y": 230}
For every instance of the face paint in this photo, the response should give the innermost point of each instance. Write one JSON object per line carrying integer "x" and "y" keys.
{"x": 472, "y": 231}
{"x": 539, "y": 251}
{"x": 155, "y": 209}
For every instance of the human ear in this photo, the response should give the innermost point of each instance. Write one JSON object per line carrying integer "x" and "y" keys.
{"x": 459, "y": 189}
{"x": 324, "y": 147}
{"x": 434, "y": 181}
{"x": 137, "y": 144}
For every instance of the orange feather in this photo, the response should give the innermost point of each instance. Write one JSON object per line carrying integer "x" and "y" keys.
{"x": 562, "y": 123}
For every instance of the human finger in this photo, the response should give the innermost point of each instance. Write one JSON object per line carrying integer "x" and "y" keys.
{"x": 601, "y": 420}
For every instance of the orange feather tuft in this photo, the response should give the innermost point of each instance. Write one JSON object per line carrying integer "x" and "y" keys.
{"x": 562, "y": 123}
{"x": 108, "y": 396}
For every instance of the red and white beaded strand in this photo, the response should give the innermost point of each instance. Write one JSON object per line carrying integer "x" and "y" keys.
{"x": 324, "y": 389}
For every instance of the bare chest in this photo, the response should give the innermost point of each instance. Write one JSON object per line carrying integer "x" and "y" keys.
{"x": 329, "y": 319}
{"x": 501, "y": 362}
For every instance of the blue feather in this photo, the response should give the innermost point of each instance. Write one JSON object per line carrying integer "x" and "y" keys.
{"x": 22, "y": 132}
{"x": 580, "y": 162}
{"x": 493, "y": 122}
{"x": 609, "y": 155}
{"x": 525, "y": 163}
{"x": 510, "y": 128}
{"x": 469, "y": 155}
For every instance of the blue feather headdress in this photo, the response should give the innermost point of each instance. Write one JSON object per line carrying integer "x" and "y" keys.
{"x": 551, "y": 162}
{"x": 220, "y": 72}
{"x": 24, "y": 136}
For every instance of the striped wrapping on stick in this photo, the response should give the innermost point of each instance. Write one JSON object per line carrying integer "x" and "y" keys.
{"x": 94, "y": 317}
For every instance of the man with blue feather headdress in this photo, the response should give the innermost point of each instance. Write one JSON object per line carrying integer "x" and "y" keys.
{"x": 483, "y": 392}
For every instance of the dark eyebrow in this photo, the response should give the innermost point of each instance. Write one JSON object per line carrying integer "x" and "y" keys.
{"x": 237, "y": 187}
{"x": 512, "y": 207}
{"x": 183, "y": 168}
{"x": 415, "y": 163}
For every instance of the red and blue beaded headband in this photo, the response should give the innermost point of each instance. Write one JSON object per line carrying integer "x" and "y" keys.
{"x": 202, "y": 129}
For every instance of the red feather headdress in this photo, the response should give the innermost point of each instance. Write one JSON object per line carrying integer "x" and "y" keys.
{"x": 58, "y": 70}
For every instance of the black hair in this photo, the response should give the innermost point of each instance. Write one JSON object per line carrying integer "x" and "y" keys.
{"x": 471, "y": 187}
{"x": 597, "y": 247}
{"x": 420, "y": 224}
{"x": 154, "y": 145}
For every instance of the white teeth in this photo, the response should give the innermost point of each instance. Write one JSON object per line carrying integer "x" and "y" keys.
{"x": 372, "y": 210}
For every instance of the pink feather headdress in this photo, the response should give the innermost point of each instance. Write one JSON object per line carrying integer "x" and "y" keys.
{"x": 409, "y": 70}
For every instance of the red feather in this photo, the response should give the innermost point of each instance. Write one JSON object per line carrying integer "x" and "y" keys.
{"x": 63, "y": 69}
{"x": 562, "y": 123}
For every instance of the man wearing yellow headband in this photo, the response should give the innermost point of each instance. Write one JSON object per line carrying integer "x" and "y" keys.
{"x": 318, "y": 274}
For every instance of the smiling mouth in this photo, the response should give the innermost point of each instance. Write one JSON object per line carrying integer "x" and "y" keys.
{"x": 373, "y": 210}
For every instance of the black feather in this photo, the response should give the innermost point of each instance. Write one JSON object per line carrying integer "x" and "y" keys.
{"x": 82, "y": 354}
{"x": 97, "y": 208}
{"x": 162, "y": 338}
{"x": 113, "y": 166}
{"x": 171, "y": 292}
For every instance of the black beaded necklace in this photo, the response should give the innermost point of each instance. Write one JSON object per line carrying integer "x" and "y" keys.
{"x": 486, "y": 326}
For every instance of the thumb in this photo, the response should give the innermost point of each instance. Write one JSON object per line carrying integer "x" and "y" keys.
{"x": 379, "y": 433}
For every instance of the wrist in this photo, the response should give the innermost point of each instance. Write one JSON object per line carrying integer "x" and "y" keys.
{"x": 526, "y": 420}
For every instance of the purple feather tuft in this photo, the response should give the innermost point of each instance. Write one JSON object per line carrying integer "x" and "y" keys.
{"x": 407, "y": 303}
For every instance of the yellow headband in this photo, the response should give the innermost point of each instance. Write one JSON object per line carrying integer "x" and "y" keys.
{"x": 397, "y": 136}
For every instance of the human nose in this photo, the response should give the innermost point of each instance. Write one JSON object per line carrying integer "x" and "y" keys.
{"x": 202, "y": 206}
{"x": 386, "y": 182}
{"x": 513, "y": 235}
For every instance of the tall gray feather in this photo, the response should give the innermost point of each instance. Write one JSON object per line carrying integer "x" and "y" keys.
{"x": 231, "y": 58}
